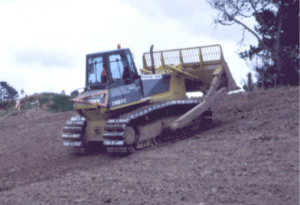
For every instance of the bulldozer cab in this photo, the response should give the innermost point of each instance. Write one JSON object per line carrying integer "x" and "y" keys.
{"x": 110, "y": 69}
{"x": 114, "y": 71}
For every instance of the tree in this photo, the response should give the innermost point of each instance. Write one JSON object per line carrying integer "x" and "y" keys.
{"x": 74, "y": 93}
{"x": 277, "y": 32}
{"x": 10, "y": 90}
{"x": 22, "y": 92}
{"x": 63, "y": 92}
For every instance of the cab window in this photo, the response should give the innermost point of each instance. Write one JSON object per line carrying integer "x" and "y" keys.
{"x": 130, "y": 62}
{"x": 95, "y": 69}
{"x": 118, "y": 66}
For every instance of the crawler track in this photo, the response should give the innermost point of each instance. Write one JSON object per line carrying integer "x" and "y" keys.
{"x": 115, "y": 141}
{"x": 114, "y": 135}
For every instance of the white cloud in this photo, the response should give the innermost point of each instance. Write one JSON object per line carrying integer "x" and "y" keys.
{"x": 44, "y": 43}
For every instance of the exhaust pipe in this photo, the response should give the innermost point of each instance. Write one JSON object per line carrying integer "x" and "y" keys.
{"x": 152, "y": 59}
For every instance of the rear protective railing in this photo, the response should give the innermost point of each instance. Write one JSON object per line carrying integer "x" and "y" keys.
{"x": 186, "y": 56}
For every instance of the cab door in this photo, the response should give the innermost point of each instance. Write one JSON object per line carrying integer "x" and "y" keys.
{"x": 126, "y": 81}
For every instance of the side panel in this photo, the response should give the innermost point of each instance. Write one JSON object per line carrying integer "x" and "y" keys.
{"x": 125, "y": 94}
{"x": 155, "y": 84}
{"x": 132, "y": 92}
{"x": 115, "y": 97}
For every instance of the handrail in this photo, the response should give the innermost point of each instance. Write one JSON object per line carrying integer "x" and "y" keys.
{"x": 202, "y": 55}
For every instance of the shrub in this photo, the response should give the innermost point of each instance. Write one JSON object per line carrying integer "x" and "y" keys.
{"x": 61, "y": 103}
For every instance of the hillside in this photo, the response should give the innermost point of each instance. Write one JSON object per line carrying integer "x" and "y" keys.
{"x": 48, "y": 102}
{"x": 250, "y": 156}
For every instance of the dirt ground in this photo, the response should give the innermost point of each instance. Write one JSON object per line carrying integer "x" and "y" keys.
{"x": 250, "y": 156}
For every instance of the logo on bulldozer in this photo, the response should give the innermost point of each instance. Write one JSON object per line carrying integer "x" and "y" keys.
{"x": 118, "y": 102}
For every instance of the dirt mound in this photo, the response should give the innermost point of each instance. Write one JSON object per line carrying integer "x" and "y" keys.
{"x": 251, "y": 156}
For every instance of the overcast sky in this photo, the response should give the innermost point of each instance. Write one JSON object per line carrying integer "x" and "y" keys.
{"x": 43, "y": 43}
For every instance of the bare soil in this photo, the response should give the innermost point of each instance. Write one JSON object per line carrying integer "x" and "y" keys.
{"x": 250, "y": 156}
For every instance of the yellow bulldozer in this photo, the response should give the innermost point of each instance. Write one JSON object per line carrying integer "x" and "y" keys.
{"x": 125, "y": 111}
